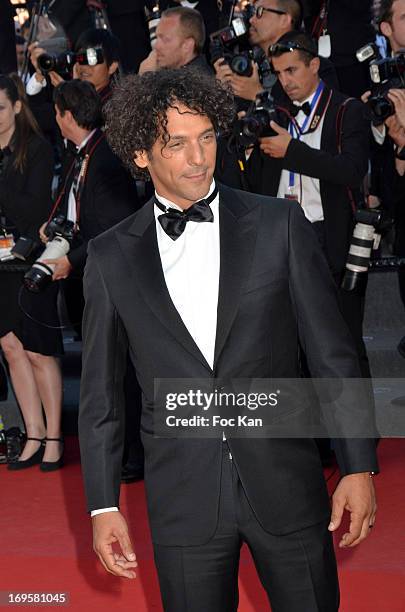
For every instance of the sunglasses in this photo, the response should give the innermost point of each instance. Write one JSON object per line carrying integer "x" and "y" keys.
{"x": 259, "y": 10}
{"x": 288, "y": 47}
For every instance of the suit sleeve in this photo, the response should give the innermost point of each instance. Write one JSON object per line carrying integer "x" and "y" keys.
{"x": 102, "y": 407}
{"x": 327, "y": 343}
{"x": 347, "y": 168}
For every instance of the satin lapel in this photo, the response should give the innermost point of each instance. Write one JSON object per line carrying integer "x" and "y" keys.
{"x": 142, "y": 254}
{"x": 238, "y": 231}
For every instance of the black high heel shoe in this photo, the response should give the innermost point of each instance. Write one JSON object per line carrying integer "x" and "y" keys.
{"x": 51, "y": 466}
{"x": 33, "y": 460}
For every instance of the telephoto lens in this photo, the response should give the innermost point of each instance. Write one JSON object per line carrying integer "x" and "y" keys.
{"x": 60, "y": 233}
{"x": 40, "y": 275}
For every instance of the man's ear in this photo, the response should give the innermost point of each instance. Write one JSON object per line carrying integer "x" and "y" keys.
{"x": 386, "y": 29}
{"x": 141, "y": 159}
{"x": 112, "y": 68}
{"x": 68, "y": 115}
{"x": 315, "y": 65}
{"x": 189, "y": 45}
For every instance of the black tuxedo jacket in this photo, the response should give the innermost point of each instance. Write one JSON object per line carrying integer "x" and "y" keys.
{"x": 275, "y": 287}
{"x": 109, "y": 195}
{"x": 336, "y": 171}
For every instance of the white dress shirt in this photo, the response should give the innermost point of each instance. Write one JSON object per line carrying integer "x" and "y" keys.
{"x": 33, "y": 87}
{"x": 191, "y": 269}
{"x": 306, "y": 188}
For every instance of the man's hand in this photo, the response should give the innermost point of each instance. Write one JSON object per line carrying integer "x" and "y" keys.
{"x": 108, "y": 528}
{"x": 395, "y": 131}
{"x": 397, "y": 97}
{"x": 276, "y": 146}
{"x": 364, "y": 98}
{"x": 55, "y": 78}
{"x": 44, "y": 238}
{"x": 62, "y": 267}
{"x": 356, "y": 494}
{"x": 242, "y": 86}
{"x": 35, "y": 51}
{"x": 149, "y": 63}
{"x": 223, "y": 71}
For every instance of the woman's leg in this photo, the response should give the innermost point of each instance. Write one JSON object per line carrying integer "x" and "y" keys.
{"x": 48, "y": 378}
{"x": 26, "y": 391}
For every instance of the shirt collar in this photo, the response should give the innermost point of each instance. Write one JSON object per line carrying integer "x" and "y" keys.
{"x": 170, "y": 204}
{"x": 85, "y": 141}
{"x": 309, "y": 99}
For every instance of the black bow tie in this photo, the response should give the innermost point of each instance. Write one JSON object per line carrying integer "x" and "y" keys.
{"x": 305, "y": 108}
{"x": 174, "y": 221}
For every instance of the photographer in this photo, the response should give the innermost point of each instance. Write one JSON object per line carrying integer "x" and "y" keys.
{"x": 96, "y": 191}
{"x": 180, "y": 38}
{"x": 317, "y": 157}
{"x": 26, "y": 163}
{"x": 388, "y": 182}
{"x": 100, "y": 74}
{"x": 271, "y": 19}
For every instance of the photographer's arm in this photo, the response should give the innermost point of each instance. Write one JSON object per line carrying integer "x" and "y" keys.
{"x": 346, "y": 168}
{"x": 242, "y": 86}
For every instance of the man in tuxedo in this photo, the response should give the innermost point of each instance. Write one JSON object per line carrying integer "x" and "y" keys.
{"x": 318, "y": 156}
{"x": 208, "y": 283}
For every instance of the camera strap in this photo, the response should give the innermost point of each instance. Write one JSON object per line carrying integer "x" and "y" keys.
{"x": 81, "y": 180}
{"x": 321, "y": 22}
{"x": 339, "y": 136}
{"x": 319, "y": 105}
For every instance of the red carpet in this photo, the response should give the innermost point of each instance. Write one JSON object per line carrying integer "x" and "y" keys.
{"x": 45, "y": 545}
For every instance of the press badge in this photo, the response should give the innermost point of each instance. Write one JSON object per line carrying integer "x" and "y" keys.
{"x": 291, "y": 194}
{"x": 324, "y": 45}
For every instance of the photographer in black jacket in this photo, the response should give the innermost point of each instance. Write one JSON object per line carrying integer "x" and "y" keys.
{"x": 96, "y": 191}
{"x": 318, "y": 157}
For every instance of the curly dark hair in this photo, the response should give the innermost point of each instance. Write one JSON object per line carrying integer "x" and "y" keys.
{"x": 136, "y": 114}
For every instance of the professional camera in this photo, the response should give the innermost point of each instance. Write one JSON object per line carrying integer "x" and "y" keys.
{"x": 153, "y": 16}
{"x": 385, "y": 73}
{"x": 256, "y": 122}
{"x": 232, "y": 43}
{"x": 60, "y": 233}
{"x": 366, "y": 237}
{"x": 64, "y": 62}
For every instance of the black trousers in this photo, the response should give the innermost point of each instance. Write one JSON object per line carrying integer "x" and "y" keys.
{"x": 297, "y": 570}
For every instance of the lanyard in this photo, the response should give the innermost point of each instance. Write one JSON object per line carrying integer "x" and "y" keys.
{"x": 80, "y": 181}
{"x": 296, "y": 131}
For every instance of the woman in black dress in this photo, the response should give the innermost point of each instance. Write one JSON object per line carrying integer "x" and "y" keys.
{"x": 31, "y": 348}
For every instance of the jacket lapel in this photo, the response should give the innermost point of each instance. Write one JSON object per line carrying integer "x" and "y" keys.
{"x": 237, "y": 240}
{"x": 140, "y": 249}
{"x": 238, "y": 231}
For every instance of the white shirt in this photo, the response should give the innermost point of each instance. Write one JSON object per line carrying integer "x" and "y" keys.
{"x": 72, "y": 209}
{"x": 33, "y": 86}
{"x": 310, "y": 193}
{"x": 191, "y": 269}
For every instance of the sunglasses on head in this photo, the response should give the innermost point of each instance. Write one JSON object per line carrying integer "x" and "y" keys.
{"x": 259, "y": 10}
{"x": 287, "y": 47}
